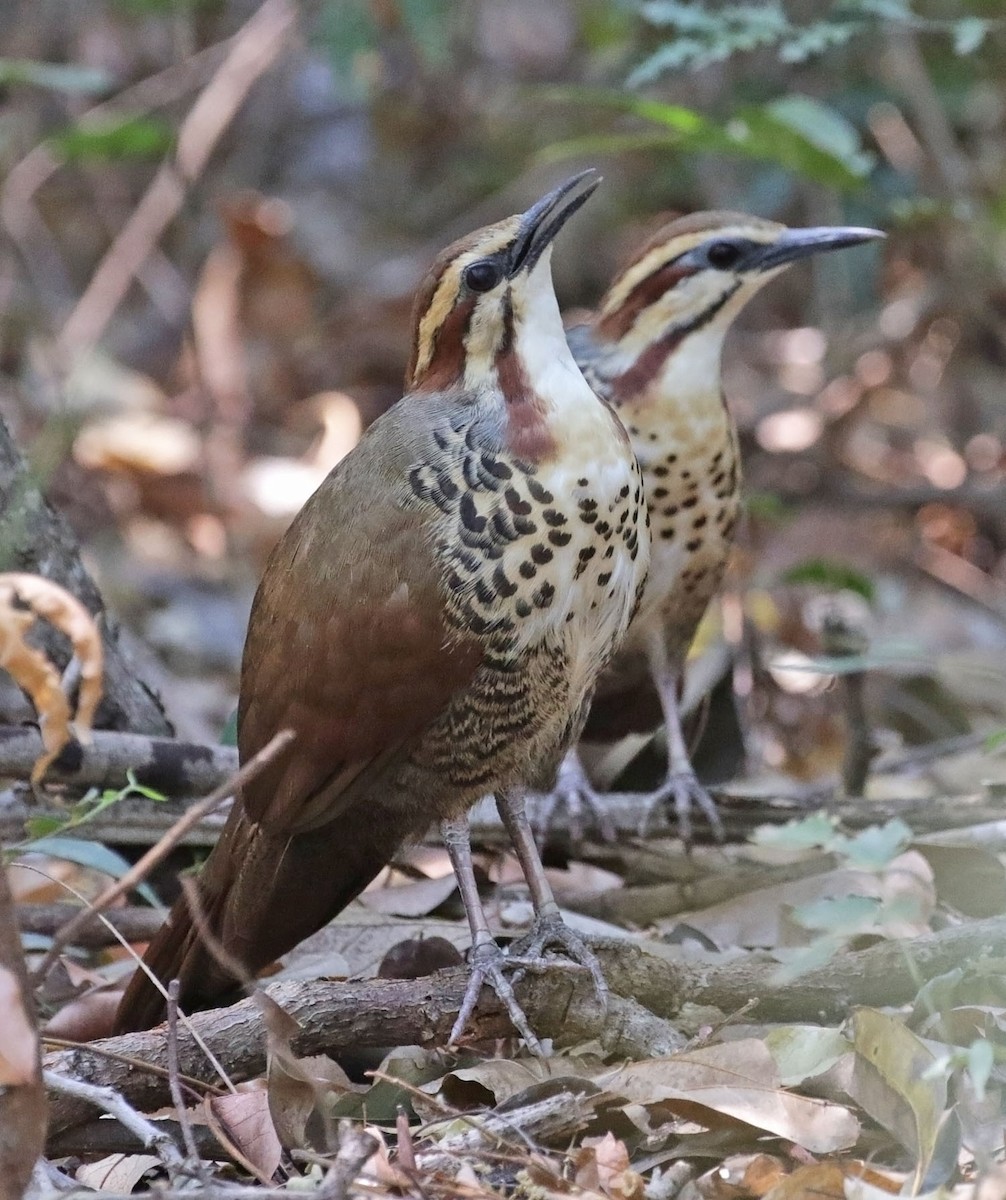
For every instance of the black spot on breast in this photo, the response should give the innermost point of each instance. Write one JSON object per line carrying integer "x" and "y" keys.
{"x": 515, "y": 503}
{"x": 501, "y": 583}
{"x": 499, "y": 470}
{"x": 540, "y": 554}
{"x": 672, "y": 459}
{"x": 659, "y": 493}
{"x": 559, "y": 538}
{"x": 609, "y": 552}
{"x": 602, "y": 527}
{"x": 469, "y": 514}
{"x": 667, "y": 533}
{"x": 539, "y": 493}
{"x": 554, "y": 518}
{"x": 690, "y": 502}
{"x": 484, "y": 592}
{"x": 623, "y": 491}
{"x": 700, "y": 521}
{"x": 523, "y": 609}
{"x": 693, "y": 544}
{"x": 652, "y": 437}
{"x": 660, "y": 471}
{"x": 586, "y": 554}
{"x": 544, "y": 596}
{"x": 528, "y": 570}
{"x": 583, "y": 482}
{"x": 603, "y": 578}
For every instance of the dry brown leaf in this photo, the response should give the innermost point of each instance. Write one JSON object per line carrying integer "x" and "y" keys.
{"x": 739, "y": 1081}
{"x": 827, "y": 1181}
{"x": 247, "y": 1120}
{"x": 602, "y": 1165}
{"x": 298, "y": 1088}
{"x": 741, "y": 1177}
{"x": 33, "y": 672}
{"x": 118, "y": 1172}
{"x": 18, "y": 1047}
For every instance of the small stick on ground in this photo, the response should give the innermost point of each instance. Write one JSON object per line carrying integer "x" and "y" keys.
{"x": 109, "y": 1100}
{"x": 175, "y": 1084}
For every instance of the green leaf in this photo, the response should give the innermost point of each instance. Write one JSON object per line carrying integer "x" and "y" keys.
{"x": 981, "y": 1060}
{"x": 57, "y": 77}
{"x": 803, "y": 1051}
{"x": 757, "y": 131}
{"x": 832, "y": 574}
{"x": 40, "y": 827}
{"x": 823, "y": 128}
{"x": 876, "y": 847}
{"x": 126, "y": 138}
{"x": 840, "y": 915}
{"x": 816, "y": 832}
{"x": 92, "y": 855}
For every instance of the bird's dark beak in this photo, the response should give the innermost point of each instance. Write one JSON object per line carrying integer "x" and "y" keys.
{"x": 543, "y": 220}
{"x": 801, "y": 243}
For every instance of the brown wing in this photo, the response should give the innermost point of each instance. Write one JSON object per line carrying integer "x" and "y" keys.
{"x": 347, "y": 646}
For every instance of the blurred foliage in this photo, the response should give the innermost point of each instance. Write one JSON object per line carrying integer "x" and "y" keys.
{"x": 702, "y": 34}
{"x": 129, "y": 138}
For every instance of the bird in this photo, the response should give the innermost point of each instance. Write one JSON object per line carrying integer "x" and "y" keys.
{"x": 652, "y": 350}
{"x": 430, "y": 627}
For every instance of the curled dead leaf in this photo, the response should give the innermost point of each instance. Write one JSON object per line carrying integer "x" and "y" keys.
{"x": 23, "y": 598}
{"x": 602, "y": 1167}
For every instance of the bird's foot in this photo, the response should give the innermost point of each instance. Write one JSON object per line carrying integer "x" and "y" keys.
{"x": 681, "y": 792}
{"x": 536, "y": 952}
{"x": 574, "y": 794}
{"x": 489, "y": 964}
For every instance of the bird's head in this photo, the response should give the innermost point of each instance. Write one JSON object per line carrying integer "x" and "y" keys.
{"x": 692, "y": 278}
{"x": 489, "y": 295}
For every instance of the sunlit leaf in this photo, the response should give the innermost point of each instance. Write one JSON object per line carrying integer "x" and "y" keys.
{"x": 839, "y": 915}
{"x": 875, "y": 847}
{"x": 124, "y": 138}
{"x": 819, "y": 830}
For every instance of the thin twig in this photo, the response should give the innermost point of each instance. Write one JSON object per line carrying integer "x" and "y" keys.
{"x": 175, "y": 1083}
{"x": 109, "y": 1100}
{"x": 156, "y": 854}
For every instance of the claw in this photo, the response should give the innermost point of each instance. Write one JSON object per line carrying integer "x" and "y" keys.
{"x": 585, "y": 806}
{"x": 552, "y": 933}
{"x": 488, "y": 963}
{"x": 684, "y": 791}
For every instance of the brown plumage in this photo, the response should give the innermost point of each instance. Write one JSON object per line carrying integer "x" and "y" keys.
{"x": 419, "y": 627}
{"x": 653, "y": 351}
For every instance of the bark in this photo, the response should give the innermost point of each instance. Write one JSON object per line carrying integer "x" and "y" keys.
{"x": 649, "y": 991}
{"x": 35, "y": 538}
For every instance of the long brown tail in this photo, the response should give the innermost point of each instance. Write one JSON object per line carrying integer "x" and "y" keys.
{"x": 260, "y": 895}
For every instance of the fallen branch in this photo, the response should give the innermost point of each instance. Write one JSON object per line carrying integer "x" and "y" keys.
{"x": 167, "y": 765}
{"x": 649, "y": 992}
{"x": 133, "y": 922}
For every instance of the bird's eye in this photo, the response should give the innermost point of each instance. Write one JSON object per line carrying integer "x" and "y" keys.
{"x": 722, "y": 255}
{"x": 482, "y": 276}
